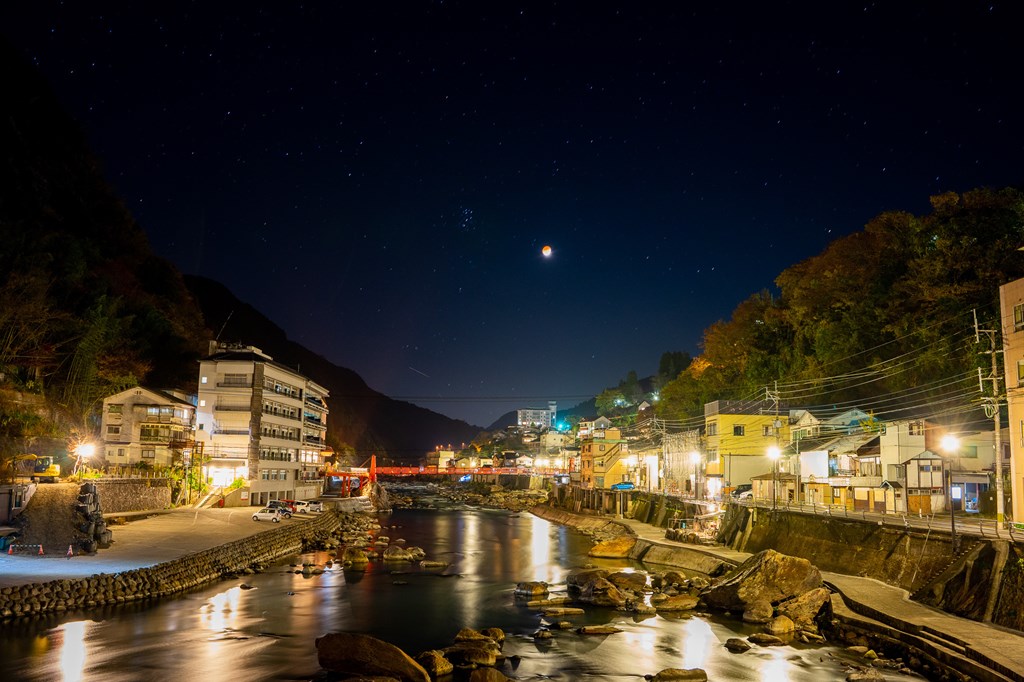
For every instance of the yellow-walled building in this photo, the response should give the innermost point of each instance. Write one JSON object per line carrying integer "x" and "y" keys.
{"x": 603, "y": 459}
{"x": 738, "y": 435}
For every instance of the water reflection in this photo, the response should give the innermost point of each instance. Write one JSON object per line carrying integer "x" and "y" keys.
{"x": 266, "y": 633}
{"x": 72, "y": 651}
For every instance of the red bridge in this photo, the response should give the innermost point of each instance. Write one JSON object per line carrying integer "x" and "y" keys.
{"x": 370, "y": 473}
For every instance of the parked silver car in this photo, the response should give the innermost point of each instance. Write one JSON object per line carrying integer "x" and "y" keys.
{"x": 267, "y": 514}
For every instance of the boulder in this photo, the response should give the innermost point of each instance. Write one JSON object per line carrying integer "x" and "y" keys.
{"x": 435, "y": 663}
{"x": 602, "y": 593}
{"x": 805, "y": 609}
{"x": 616, "y": 548}
{"x": 473, "y": 652}
{"x": 764, "y": 639}
{"x": 780, "y": 625}
{"x": 736, "y": 645}
{"x": 680, "y": 602}
{"x": 357, "y": 654}
{"x": 598, "y": 630}
{"x": 468, "y": 634}
{"x": 579, "y": 578}
{"x": 674, "y": 674}
{"x": 396, "y": 553}
{"x": 634, "y": 582}
{"x": 672, "y": 578}
{"x": 497, "y": 634}
{"x": 354, "y": 556}
{"x": 759, "y": 611}
{"x": 535, "y": 588}
{"x": 767, "y": 576}
{"x": 865, "y": 675}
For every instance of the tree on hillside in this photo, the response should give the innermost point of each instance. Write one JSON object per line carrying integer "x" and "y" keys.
{"x": 670, "y": 365}
{"x": 877, "y": 312}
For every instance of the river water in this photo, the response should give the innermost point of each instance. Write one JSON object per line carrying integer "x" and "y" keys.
{"x": 225, "y": 632}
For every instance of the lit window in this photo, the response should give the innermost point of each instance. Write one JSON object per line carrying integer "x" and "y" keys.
{"x": 202, "y": 403}
{"x": 1020, "y": 373}
{"x": 1018, "y": 317}
{"x": 202, "y": 380}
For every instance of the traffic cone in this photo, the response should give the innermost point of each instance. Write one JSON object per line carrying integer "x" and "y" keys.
{"x": 40, "y": 550}
{"x": 71, "y": 553}
{"x": 10, "y": 549}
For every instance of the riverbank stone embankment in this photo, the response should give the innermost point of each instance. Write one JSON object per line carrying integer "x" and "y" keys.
{"x": 235, "y": 558}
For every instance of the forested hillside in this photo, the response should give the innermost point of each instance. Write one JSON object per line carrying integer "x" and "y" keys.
{"x": 881, "y": 319}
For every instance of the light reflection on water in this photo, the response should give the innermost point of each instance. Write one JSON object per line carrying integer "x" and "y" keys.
{"x": 267, "y": 633}
{"x": 72, "y": 651}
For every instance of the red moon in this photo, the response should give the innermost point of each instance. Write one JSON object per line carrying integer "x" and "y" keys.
{"x": 546, "y": 251}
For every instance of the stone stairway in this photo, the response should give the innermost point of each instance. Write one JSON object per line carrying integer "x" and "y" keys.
{"x": 968, "y": 550}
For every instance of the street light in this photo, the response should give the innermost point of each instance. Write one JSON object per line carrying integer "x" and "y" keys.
{"x": 773, "y": 454}
{"x": 695, "y": 459}
{"x": 951, "y": 444}
{"x": 82, "y": 452}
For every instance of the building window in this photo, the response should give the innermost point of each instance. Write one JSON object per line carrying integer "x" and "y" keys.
{"x": 114, "y": 409}
{"x": 1018, "y": 317}
{"x": 738, "y": 430}
{"x": 202, "y": 380}
{"x": 713, "y": 429}
{"x": 113, "y": 430}
{"x": 915, "y": 429}
{"x": 1020, "y": 373}
{"x": 766, "y": 430}
{"x": 149, "y": 454}
{"x": 601, "y": 447}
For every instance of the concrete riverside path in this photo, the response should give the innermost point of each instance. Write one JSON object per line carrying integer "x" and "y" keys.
{"x": 146, "y": 541}
{"x": 873, "y": 602}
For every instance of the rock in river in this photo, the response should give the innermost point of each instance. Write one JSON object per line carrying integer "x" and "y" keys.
{"x": 356, "y": 654}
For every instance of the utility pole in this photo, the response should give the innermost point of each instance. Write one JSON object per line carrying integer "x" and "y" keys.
{"x": 992, "y": 408}
{"x": 777, "y": 429}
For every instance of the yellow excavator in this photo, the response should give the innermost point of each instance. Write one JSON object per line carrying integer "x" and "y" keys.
{"x": 46, "y": 470}
{"x": 43, "y": 468}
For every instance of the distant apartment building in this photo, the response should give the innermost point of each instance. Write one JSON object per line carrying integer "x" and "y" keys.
{"x": 263, "y": 422}
{"x": 147, "y": 426}
{"x": 537, "y": 417}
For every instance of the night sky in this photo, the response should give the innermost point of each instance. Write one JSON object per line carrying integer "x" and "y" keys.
{"x": 379, "y": 180}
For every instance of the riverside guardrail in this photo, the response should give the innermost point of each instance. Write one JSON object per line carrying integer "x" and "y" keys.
{"x": 980, "y": 527}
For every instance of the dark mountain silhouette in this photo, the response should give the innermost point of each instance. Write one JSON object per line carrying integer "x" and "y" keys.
{"x": 89, "y": 309}
{"x": 360, "y": 417}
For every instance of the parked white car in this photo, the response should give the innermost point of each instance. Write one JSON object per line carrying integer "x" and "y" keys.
{"x": 267, "y": 514}
{"x": 303, "y": 506}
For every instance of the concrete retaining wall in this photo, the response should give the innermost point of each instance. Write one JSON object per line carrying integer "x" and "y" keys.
{"x": 167, "y": 578}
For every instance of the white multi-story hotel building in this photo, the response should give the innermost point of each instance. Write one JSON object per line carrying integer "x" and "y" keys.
{"x": 262, "y": 422}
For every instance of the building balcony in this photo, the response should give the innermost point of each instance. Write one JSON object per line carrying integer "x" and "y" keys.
{"x": 231, "y": 408}
{"x": 230, "y": 432}
{"x": 865, "y": 481}
{"x": 234, "y": 384}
